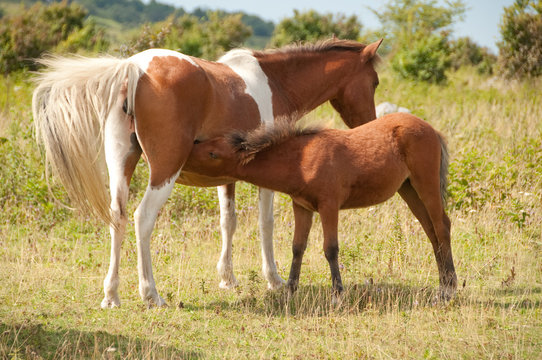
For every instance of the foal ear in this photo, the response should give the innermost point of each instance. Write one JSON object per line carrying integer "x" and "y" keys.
{"x": 370, "y": 51}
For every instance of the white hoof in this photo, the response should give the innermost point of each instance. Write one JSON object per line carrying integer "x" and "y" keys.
{"x": 156, "y": 301}
{"x": 275, "y": 283}
{"x": 110, "y": 303}
{"x": 228, "y": 284}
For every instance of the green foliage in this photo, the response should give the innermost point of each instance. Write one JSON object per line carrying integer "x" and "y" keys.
{"x": 207, "y": 38}
{"x": 311, "y": 26}
{"x": 520, "y": 51}
{"x": 426, "y": 59}
{"x": 405, "y": 21}
{"x": 465, "y": 52}
{"x": 130, "y": 12}
{"x": 417, "y": 32}
{"x": 42, "y": 28}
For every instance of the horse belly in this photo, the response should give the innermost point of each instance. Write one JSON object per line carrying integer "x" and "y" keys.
{"x": 193, "y": 179}
{"x": 372, "y": 190}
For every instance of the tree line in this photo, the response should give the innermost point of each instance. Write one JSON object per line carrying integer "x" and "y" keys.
{"x": 418, "y": 34}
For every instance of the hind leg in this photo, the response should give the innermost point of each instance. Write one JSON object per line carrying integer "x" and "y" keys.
{"x": 428, "y": 209}
{"x": 122, "y": 153}
{"x": 228, "y": 223}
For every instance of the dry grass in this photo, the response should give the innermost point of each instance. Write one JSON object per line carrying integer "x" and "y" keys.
{"x": 53, "y": 262}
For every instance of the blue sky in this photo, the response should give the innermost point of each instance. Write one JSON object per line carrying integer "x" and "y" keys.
{"x": 481, "y": 21}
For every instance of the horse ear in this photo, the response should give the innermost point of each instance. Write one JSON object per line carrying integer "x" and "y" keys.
{"x": 370, "y": 51}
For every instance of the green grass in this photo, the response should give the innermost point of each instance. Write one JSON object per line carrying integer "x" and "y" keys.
{"x": 52, "y": 261}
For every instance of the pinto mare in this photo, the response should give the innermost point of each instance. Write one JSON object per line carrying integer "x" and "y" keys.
{"x": 330, "y": 170}
{"x": 159, "y": 102}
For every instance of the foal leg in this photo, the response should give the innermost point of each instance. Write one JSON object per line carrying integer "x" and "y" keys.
{"x": 436, "y": 224}
{"x": 303, "y": 222}
{"x": 145, "y": 217}
{"x": 269, "y": 268}
{"x": 228, "y": 223}
{"x": 330, "y": 219}
{"x": 122, "y": 152}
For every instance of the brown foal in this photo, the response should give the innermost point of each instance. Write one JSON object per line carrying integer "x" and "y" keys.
{"x": 328, "y": 170}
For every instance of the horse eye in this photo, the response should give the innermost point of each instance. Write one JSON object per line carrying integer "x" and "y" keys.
{"x": 213, "y": 155}
{"x": 376, "y": 83}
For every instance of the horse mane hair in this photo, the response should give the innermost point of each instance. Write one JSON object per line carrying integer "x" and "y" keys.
{"x": 332, "y": 44}
{"x": 247, "y": 144}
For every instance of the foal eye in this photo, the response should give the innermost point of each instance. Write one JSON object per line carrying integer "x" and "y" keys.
{"x": 213, "y": 155}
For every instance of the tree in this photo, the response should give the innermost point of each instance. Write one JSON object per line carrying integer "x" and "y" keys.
{"x": 311, "y": 26}
{"x": 418, "y": 32}
{"x": 42, "y": 28}
{"x": 405, "y": 21}
{"x": 207, "y": 37}
{"x": 520, "y": 51}
{"x": 465, "y": 52}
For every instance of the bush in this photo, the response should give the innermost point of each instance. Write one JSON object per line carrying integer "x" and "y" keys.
{"x": 41, "y": 28}
{"x": 207, "y": 38}
{"x": 311, "y": 26}
{"x": 426, "y": 59}
{"x": 520, "y": 51}
{"x": 465, "y": 52}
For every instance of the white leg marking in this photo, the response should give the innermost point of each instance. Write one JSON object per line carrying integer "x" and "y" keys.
{"x": 145, "y": 217}
{"x": 117, "y": 146}
{"x": 228, "y": 223}
{"x": 244, "y": 64}
{"x": 269, "y": 268}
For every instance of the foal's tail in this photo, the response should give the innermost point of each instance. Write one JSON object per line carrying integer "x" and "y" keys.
{"x": 70, "y": 105}
{"x": 443, "y": 168}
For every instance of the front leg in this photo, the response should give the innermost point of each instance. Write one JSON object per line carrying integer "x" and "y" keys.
{"x": 145, "y": 217}
{"x": 303, "y": 223}
{"x": 329, "y": 215}
{"x": 228, "y": 223}
{"x": 269, "y": 269}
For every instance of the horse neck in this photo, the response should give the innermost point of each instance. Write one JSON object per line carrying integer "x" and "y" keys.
{"x": 302, "y": 81}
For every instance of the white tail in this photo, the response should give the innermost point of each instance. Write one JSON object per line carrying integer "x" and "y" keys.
{"x": 70, "y": 105}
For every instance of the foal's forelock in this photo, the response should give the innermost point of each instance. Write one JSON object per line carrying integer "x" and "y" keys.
{"x": 246, "y": 144}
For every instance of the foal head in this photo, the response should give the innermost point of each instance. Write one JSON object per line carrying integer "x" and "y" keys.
{"x": 355, "y": 100}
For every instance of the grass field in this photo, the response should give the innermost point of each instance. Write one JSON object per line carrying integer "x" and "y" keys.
{"x": 52, "y": 260}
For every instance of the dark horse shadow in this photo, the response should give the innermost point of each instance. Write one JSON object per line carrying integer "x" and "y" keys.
{"x": 31, "y": 341}
{"x": 313, "y": 300}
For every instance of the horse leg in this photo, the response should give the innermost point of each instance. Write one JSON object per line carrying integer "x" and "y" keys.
{"x": 228, "y": 223}
{"x": 269, "y": 268}
{"x": 145, "y": 217}
{"x": 428, "y": 209}
{"x": 329, "y": 215}
{"x": 303, "y": 223}
{"x": 122, "y": 153}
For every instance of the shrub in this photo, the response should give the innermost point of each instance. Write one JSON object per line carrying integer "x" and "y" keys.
{"x": 426, "y": 59}
{"x": 208, "y": 38}
{"x": 520, "y": 51}
{"x": 465, "y": 52}
{"x": 312, "y": 26}
{"x": 41, "y": 28}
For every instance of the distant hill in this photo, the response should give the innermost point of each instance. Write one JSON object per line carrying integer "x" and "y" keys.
{"x": 134, "y": 13}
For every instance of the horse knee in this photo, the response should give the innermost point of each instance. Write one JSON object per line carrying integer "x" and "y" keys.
{"x": 331, "y": 252}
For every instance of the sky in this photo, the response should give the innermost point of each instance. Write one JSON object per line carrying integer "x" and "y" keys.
{"x": 481, "y": 21}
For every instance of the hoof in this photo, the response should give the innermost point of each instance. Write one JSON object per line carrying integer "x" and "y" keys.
{"x": 156, "y": 302}
{"x": 276, "y": 283}
{"x": 110, "y": 303}
{"x": 228, "y": 284}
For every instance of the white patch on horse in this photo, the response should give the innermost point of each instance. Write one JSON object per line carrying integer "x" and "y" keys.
{"x": 244, "y": 64}
{"x": 144, "y": 58}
